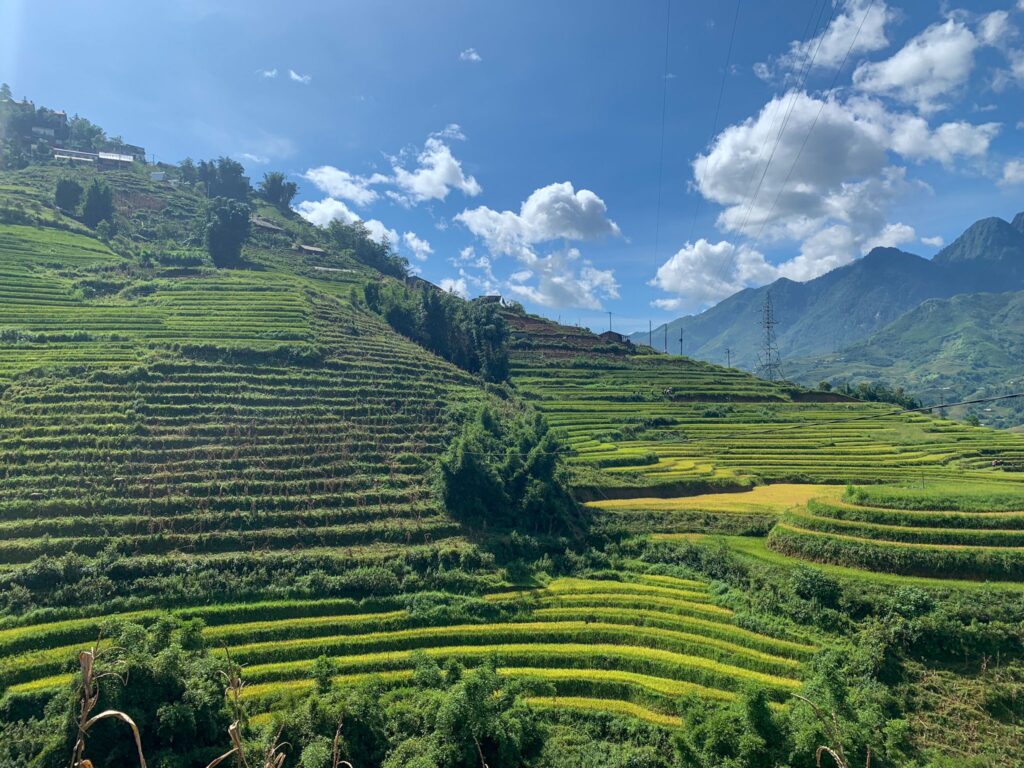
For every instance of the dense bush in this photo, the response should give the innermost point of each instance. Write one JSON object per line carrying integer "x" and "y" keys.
{"x": 227, "y": 227}
{"x": 502, "y": 471}
{"x": 471, "y": 334}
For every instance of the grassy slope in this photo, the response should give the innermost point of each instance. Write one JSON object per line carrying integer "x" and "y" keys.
{"x": 253, "y": 448}
{"x": 960, "y": 348}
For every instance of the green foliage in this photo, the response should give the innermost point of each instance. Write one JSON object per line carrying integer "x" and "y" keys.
{"x": 164, "y": 679}
{"x": 874, "y": 392}
{"x": 502, "y": 471}
{"x": 355, "y": 239}
{"x": 68, "y": 195}
{"x": 276, "y": 190}
{"x": 472, "y": 335}
{"x": 99, "y": 204}
{"x": 471, "y": 717}
{"x": 227, "y": 229}
{"x": 223, "y": 177}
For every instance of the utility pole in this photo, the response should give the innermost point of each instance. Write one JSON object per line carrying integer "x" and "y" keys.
{"x": 769, "y": 365}
{"x": 666, "y": 338}
{"x": 650, "y": 335}
{"x": 609, "y": 321}
{"x": 728, "y": 358}
{"x": 680, "y": 341}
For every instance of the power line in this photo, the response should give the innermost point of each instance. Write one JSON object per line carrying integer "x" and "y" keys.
{"x": 714, "y": 123}
{"x": 802, "y": 78}
{"x": 814, "y": 122}
{"x": 664, "y": 110}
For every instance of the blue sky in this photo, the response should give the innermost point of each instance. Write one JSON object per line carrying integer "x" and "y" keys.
{"x": 517, "y": 147}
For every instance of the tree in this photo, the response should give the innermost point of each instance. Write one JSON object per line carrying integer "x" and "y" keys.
{"x": 5, "y": 92}
{"x": 276, "y": 190}
{"x": 224, "y": 177}
{"x": 188, "y": 171}
{"x": 503, "y": 471}
{"x": 68, "y": 195}
{"x": 227, "y": 227}
{"x": 99, "y": 204}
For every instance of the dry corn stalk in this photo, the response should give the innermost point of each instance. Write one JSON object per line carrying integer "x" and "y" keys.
{"x": 90, "y": 696}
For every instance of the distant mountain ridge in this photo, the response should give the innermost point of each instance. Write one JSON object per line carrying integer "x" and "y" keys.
{"x": 848, "y": 304}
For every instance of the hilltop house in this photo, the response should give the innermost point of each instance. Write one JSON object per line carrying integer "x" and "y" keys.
{"x": 613, "y": 336}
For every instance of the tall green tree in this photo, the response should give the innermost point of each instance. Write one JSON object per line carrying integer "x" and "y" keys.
{"x": 276, "y": 190}
{"x": 68, "y": 195}
{"x": 224, "y": 177}
{"x": 503, "y": 472}
{"x": 227, "y": 227}
{"x": 99, "y": 204}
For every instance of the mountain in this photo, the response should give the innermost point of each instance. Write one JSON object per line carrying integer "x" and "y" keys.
{"x": 963, "y": 347}
{"x": 818, "y": 316}
{"x": 848, "y": 304}
{"x": 988, "y": 256}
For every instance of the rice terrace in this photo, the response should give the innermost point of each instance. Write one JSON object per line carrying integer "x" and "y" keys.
{"x": 284, "y": 487}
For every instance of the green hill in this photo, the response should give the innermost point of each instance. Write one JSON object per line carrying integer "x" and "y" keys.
{"x": 847, "y": 305}
{"x": 946, "y": 350}
{"x": 243, "y": 466}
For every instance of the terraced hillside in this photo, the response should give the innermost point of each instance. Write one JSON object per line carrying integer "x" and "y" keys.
{"x": 974, "y": 532}
{"x": 654, "y": 425}
{"x": 254, "y": 448}
{"x": 637, "y": 641}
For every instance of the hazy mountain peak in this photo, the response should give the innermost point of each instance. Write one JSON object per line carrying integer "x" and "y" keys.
{"x": 988, "y": 240}
{"x": 1018, "y": 222}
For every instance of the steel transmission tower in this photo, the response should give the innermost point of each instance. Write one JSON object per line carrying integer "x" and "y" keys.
{"x": 769, "y": 364}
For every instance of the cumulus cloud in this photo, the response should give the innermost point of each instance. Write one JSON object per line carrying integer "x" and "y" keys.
{"x": 452, "y": 131}
{"x": 419, "y": 247}
{"x": 703, "y": 273}
{"x": 296, "y": 77}
{"x": 256, "y": 159}
{"x": 436, "y": 174}
{"x": 455, "y": 285}
{"x": 858, "y": 28}
{"x": 470, "y": 55}
{"x": 267, "y": 73}
{"x": 935, "y": 242}
{"x": 928, "y": 69}
{"x": 555, "y": 212}
{"x": 996, "y": 28}
{"x": 564, "y": 279}
{"x": 342, "y": 184}
{"x": 1013, "y": 173}
{"x": 912, "y": 138}
{"x": 891, "y": 236}
{"x": 323, "y": 212}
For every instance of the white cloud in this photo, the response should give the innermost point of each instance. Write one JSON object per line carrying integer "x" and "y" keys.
{"x": 796, "y": 197}
{"x": 437, "y": 173}
{"x": 323, "y": 212}
{"x": 554, "y": 212}
{"x": 296, "y": 77}
{"x": 891, "y": 236}
{"x": 420, "y": 248}
{"x": 267, "y": 73}
{"x": 858, "y": 28}
{"x": 1013, "y": 173}
{"x": 912, "y": 138}
{"x": 703, "y": 273}
{"x": 378, "y": 232}
{"x": 471, "y": 55}
{"x": 338, "y": 183}
{"x": 560, "y": 283}
{"x": 935, "y": 242}
{"x": 455, "y": 285}
{"x": 996, "y": 28}
{"x": 257, "y": 159}
{"x": 452, "y": 131}
{"x": 930, "y": 67}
